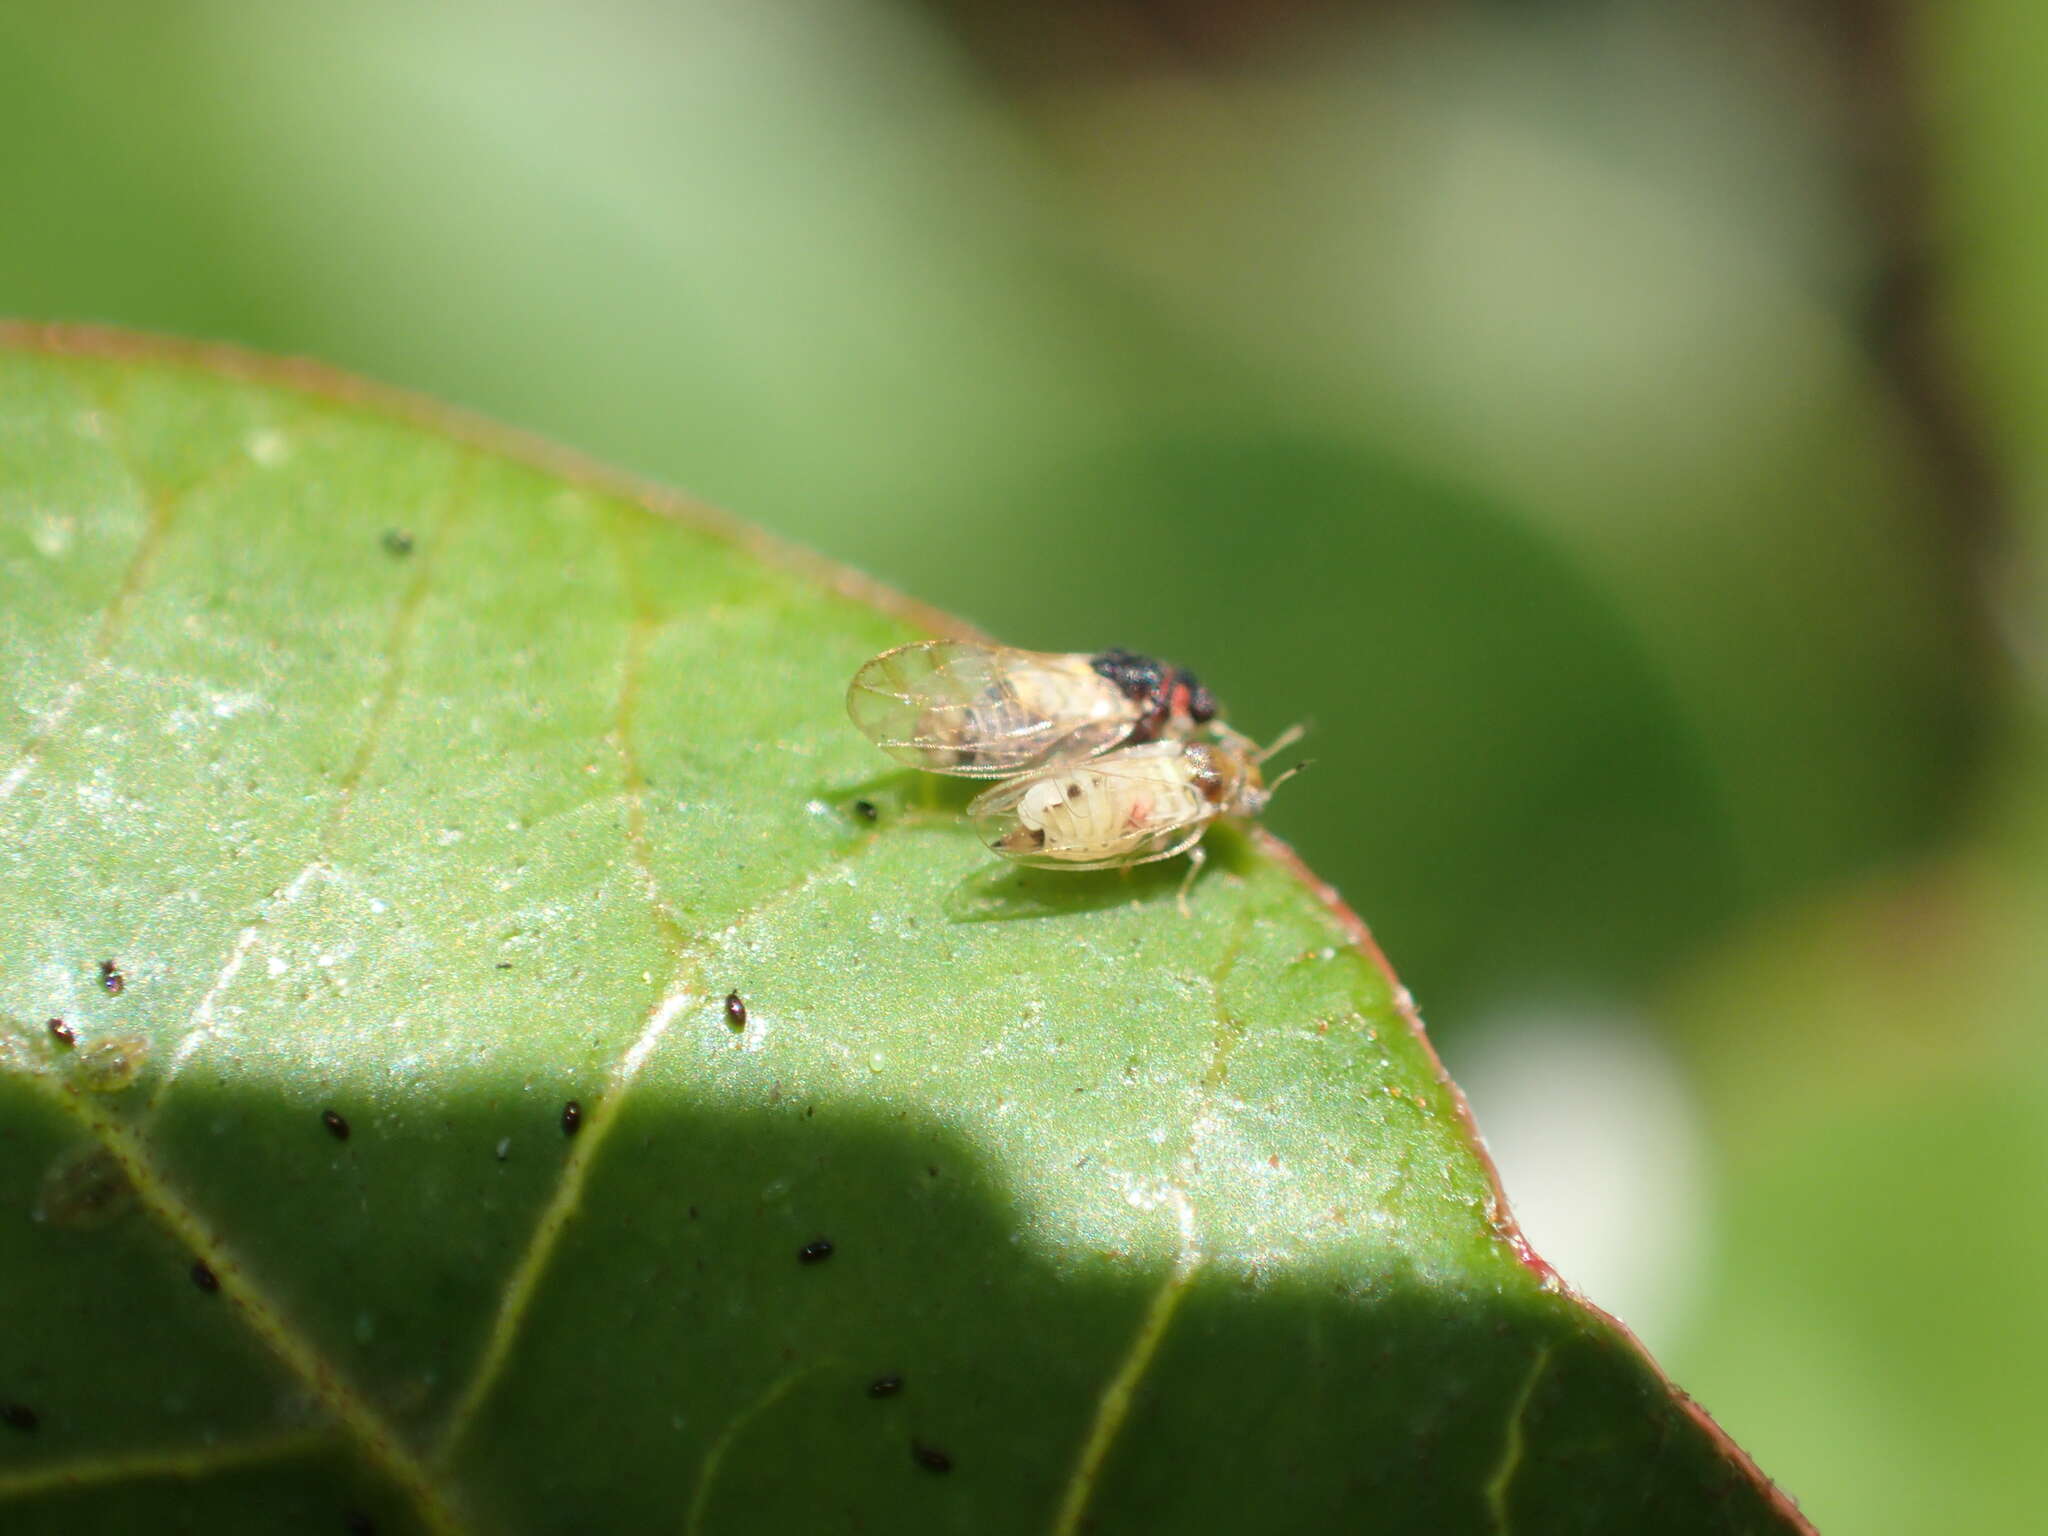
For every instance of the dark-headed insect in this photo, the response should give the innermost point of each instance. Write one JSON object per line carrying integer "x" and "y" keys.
{"x": 1107, "y": 760}
{"x": 990, "y": 711}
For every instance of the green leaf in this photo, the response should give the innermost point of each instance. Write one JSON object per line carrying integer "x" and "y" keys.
{"x": 372, "y": 790}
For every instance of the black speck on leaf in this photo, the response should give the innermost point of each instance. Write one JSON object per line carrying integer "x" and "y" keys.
{"x": 866, "y": 811}
{"x": 204, "y": 1277}
{"x": 112, "y": 979}
{"x": 397, "y": 542}
{"x": 356, "y": 1523}
{"x": 930, "y": 1457}
{"x": 735, "y": 1011}
{"x": 19, "y": 1416}
{"x": 63, "y": 1033}
{"x": 815, "y": 1252}
{"x": 572, "y": 1118}
{"x": 336, "y": 1126}
{"x": 886, "y": 1386}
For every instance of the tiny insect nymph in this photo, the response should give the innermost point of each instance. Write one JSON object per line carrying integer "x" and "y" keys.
{"x": 1133, "y": 806}
{"x": 990, "y": 711}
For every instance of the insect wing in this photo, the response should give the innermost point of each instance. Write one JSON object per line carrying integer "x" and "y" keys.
{"x": 986, "y": 711}
{"x": 1126, "y": 807}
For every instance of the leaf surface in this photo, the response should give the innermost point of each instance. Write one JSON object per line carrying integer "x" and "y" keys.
{"x": 389, "y": 813}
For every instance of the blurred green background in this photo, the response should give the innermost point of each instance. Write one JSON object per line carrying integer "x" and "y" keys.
{"x": 1617, "y": 428}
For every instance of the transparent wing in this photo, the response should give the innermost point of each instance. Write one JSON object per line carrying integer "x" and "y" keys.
{"x": 1156, "y": 847}
{"x": 986, "y": 711}
{"x": 1143, "y": 764}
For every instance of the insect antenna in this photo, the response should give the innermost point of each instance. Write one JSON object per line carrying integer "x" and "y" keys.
{"x": 1281, "y": 743}
{"x": 1275, "y": 782}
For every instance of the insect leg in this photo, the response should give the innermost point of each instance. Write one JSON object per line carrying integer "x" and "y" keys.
{"x": 1197, "y": 857}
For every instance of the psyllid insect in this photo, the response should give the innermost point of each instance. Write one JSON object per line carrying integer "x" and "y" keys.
{"x": 990, "y": 711}
{"x": 1107, "y": 761}
{"x": 1134, "y": 806}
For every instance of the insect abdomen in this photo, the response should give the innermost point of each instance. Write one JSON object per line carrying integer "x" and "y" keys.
{"x": 1085, "y": 816}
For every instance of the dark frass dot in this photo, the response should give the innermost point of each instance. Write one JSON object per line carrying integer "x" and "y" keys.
{"x": 572, "y": 1118}
{"x": 865, "y": 810}
{"x": 817, "y": 1251}
{"x": 885, "y": 1386}
{"x": 336, "y": 1126}
{"x": 63, "y": 1033}
{"x": 735, "y": 1011}
{"x": 204, "y": 1277}
{"x": 19, "y": 1416}
{"x": 356, "y": 1523}
{"x": 397, "y": 542}
{"x": 111, "y": 978}
{"x": 930, "y": 1457}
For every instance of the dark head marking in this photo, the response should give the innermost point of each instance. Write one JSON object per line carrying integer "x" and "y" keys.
{"x": 336, "y": 1126}
{"x": 1139, "y": 678}
{"x": 815, "y": 1251}
{"x": 1162, "y": 693}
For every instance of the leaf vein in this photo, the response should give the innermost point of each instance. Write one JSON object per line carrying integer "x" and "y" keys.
{"x": 685, "y": 986}
{"x": 1513, "y": 1444}
{"x": 398, "y": 640}
{"x": 188, "y": 1462}
{"x": 714, "y": 1454}
{"x": 1113, "y": 1406}
{"x": 161, "y": 510}
{"x": 376, "y": 1439}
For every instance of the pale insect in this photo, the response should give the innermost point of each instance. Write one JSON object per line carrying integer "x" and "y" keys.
{"x": 1132, "y": 806}
{"x": 990, "y": 711}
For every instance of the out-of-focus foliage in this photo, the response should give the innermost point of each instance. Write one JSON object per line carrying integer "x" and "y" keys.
{"x": 1876, "y": 1064}
{"x": 1530, "y": 375}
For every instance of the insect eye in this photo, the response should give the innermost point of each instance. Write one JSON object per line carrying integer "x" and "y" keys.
{"x": 1201, "y": 704}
